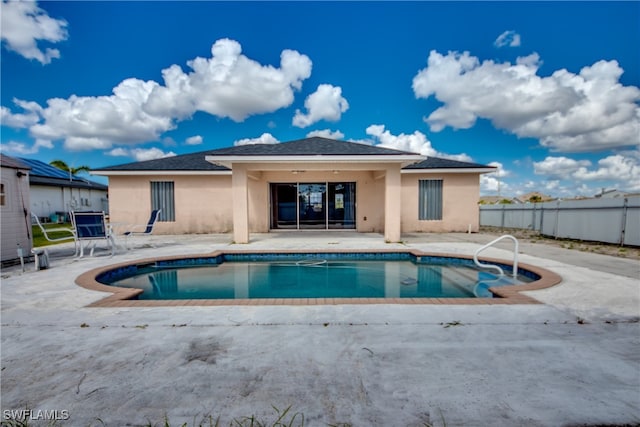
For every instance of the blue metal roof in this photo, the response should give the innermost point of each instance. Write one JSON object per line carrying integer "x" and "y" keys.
{"x": 44, "y": 174}
{"x": 42, "y": 169}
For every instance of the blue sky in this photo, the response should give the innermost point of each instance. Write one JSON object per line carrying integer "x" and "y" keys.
{"x": 547, "y": 91}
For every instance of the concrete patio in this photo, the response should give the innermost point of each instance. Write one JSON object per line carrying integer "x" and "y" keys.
{"x": 573, "y": 360}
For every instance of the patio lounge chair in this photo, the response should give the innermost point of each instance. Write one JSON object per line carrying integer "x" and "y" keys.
{"x": 90, "y": 227}
{"x": 143, "y": 229}
{"x": 46, "y": 231}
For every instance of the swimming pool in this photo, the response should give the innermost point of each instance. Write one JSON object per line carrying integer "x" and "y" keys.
{"x": 260, "y": 276}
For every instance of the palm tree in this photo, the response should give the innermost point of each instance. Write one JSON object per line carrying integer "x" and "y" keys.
{"x": 62, "y": 165}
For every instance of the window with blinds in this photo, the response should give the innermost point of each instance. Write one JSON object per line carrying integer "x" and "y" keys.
{"x": 162, "y": 197}
{"x": 430, "y": 199}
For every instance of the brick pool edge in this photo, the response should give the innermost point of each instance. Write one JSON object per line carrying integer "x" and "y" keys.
{"x": 122, "y": 297}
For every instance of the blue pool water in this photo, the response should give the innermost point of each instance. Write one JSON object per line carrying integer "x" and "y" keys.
{"x": 317, "y": 276}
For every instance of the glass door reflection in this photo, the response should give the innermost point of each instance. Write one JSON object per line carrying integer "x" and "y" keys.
{"x": 283, "y": 206}
{"x": 312, "y": 204}
{"x": 342, "y": 205}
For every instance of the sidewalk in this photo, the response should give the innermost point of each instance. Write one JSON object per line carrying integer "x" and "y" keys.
{"x": 570, "y": 361}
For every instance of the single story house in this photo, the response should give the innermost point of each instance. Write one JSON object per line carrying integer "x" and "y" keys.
{"x": 55, "y": 192}
{"x": 308, "y": 184}
{"x": 14, "y": 208}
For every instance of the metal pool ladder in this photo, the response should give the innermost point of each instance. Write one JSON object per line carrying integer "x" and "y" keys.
{"x": 497, "y": 268}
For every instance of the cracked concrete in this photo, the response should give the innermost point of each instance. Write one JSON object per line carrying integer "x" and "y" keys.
{"x": 574, "y": 360}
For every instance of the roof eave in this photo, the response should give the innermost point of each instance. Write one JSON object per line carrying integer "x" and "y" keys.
{"x": 159, "y": 172}
{"x": 450, "y": 170}
{"x": 403, "y": 159}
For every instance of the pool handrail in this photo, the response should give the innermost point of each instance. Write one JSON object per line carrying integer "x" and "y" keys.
{"x": 498, "y": 268}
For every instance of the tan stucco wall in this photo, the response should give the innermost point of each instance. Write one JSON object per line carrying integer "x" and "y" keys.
{"x": 369, "y": 195}
{"x": 202, "y": 202}
{"x": 460, "y": 194}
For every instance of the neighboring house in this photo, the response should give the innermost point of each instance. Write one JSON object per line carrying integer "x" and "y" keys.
{"x": 314, "y": 183}
{"x": 14, "y": 208}
{"x": 533, "y": 197}
{"x": 55, "y": 192}
{"x": 490, "y": 200}
{"x": 613, "y": 194}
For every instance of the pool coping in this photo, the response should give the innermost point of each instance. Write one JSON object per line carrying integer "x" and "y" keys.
{"x": 121, "y": 297}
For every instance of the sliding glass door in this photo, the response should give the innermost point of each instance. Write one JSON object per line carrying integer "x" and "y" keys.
{"x": 342, "y": 205}
{"x": 284, "y": 212}
{"x": 313, "y": 205}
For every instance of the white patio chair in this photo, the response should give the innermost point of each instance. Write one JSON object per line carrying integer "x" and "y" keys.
{"x": 142, "y": 229}
{"x": 45, "y": 232}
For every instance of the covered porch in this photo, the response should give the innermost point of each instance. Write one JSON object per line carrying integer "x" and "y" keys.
{"x": 319, "y": 195}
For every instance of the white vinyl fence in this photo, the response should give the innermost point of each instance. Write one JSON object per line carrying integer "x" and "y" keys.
{"x": 615, "y": 220}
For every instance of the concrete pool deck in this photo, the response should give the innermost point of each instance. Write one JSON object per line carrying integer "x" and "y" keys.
{"x": 572, "y": 360}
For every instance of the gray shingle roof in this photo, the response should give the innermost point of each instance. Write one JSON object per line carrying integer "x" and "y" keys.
{"x": 184, "y": 162}
{"x": 440, "y": 163}
{"x": 308, "y": 147}
{"x": 302, "y": 147}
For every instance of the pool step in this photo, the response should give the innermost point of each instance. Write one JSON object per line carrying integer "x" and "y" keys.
{"x": 463, "y": 279}
{"x": 482, "y": 287}
{"x": 475, "y": 282}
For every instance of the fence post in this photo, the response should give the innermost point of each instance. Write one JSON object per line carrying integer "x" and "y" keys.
{"x": 623, "y": 225}
{"x": 533, "y": 217}
{"x": 502, "y": 219}
{"x": 555, "y": 231}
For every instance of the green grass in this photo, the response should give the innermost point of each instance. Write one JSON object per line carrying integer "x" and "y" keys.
{"x": 38, "y": 237}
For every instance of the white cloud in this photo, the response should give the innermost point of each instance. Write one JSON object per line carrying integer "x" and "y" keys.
{"x": 508, "y": 38}
{"x": 140, "y": 154}
{"x": 265, "y": 138}
{"x": 326, "y": 103}
{"x": 565, "y": 111}
{"x": 194, "y": 140}
{"x": 326, "y": 133}
{"x": 87, "y": 123}
{"x": 17, "y": 148}
{"x": 559, "y": 167}
{"x": 500, "y": 171}
{"x": 22, "y": 148}
{"x": 552, "y": 185}
{"x": 23, "y": 24}
{"x": 490, "y": 184}
{"x": 227, "y": 85}
{"x": 30, "y": 117}
{"x": 624, "y": 169}
{"x": 416, "y": 142}
{"x": 620, "y": 170}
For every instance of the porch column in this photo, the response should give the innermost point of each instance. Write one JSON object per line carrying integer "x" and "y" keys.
{"x": 240, "y": 195}
{"x": 392, "y": 204}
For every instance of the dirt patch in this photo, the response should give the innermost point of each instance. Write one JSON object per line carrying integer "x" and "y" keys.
{"x": 532, "y": 236}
